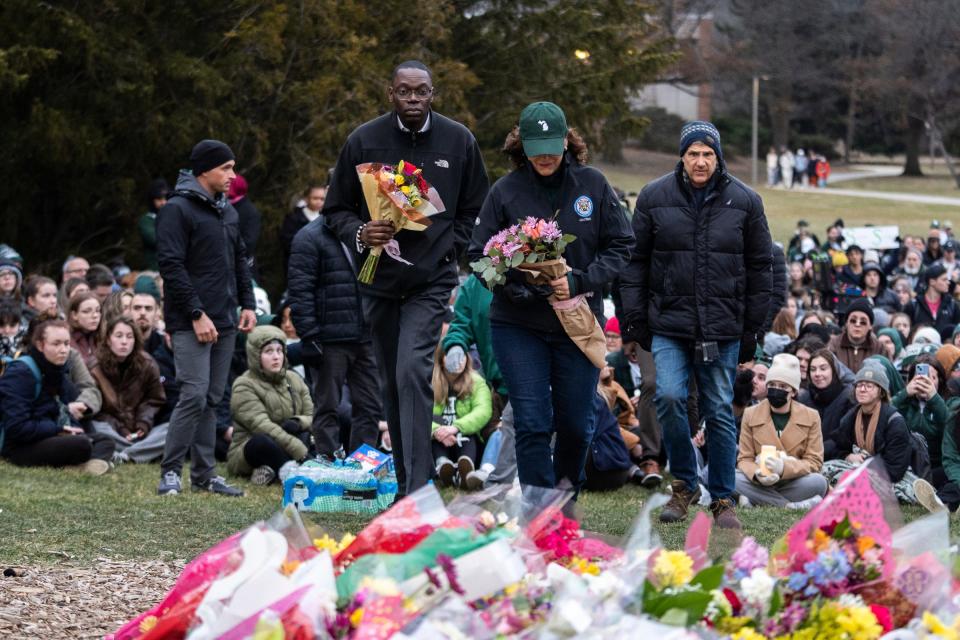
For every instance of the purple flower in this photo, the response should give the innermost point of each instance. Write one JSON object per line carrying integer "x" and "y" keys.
{"x": 749, "y": 556}
{"x": 450, "y": 570}
{"x": 549, "y": 231}
{"x": 510, "y": 248}
{"x": 495, "y": 241}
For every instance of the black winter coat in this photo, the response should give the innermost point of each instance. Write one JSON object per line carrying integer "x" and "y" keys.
{"x": 250, "y": 221}
{"x": 588, "y": 209}
{"x": 202, "y": 258}
{"x": 325, "y": 304}
{"x": 948, "y": 315}
{"x": 158, "y": 350}
{"x": 26, "y": 418}
{"x": 698, "y": 274}
{"x": 832, "y": 403}
{"x": 892, "y": 443}
{"x": 453, "y": 165}
{"x": 291, "y": 225}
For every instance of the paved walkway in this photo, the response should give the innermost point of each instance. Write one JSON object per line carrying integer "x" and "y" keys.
{"x": 858, "y": 172}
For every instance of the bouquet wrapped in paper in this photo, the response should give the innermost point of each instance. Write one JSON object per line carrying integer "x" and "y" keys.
{"x": 399, "y": 195}
{"x": 535, "y": 246}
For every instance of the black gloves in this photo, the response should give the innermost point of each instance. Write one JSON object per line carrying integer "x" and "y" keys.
{"x": 311, "y": 352}
{"x": 519, "y": 292}
{"x": 292, "y": 426}
{"x": 748, "y": 348}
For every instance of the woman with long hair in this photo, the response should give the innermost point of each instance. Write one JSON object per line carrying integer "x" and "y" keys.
{"x": 462, "y": 407}
{"x": 84, "y": 318}
{"x": 39, "y": 296}
{"x": 33, "y": 392}
{"x": 70, "y": 288}
{"x": 129, "y": 380}
{"x": 550, "y": 381}
{"x": 828, "y": 395}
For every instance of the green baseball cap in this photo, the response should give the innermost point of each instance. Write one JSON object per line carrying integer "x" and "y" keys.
{"x": 543, "y": 128}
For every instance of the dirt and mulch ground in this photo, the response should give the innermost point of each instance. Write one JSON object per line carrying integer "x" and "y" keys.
{"x": 65, "y": 601}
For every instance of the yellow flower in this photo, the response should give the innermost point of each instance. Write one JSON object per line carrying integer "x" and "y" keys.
{"x": 859, "y": 623}
{"x": 398, "y": 179}
{"x": 582, "y": 566}
{"x": 380, "y": 586}
{"x": 326, "y": 543}
{"x": 732, "y": 624}
{"x": 672, "y": 569}
{"x": 937, "y": 628}
{"x": 148, "y": 623}
{"x": 356, "y": 617}
{"x": 405, "y": 189}
{"x": 747, "y": 633}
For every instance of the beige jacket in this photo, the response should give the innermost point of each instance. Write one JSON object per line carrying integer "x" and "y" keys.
{"x": 801, "y": 439}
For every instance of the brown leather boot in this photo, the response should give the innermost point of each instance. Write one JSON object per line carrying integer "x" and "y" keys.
{"x": 724, "y": 515}
{"x": 651, "y": 474}
{"x": 676, "y": 509}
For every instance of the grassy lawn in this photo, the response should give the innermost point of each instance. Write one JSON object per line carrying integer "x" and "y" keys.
{"x": 933, "y": 183}
{"x": 48, "y": 515}
{"x": 820, "y": 209}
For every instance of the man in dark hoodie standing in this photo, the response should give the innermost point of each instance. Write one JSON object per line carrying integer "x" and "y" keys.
{"x": 406, "y": 302}
{"x": 203, "y": 263}
{"x": 695, "y": 294}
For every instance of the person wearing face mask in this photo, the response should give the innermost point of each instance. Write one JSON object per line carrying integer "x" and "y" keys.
{"x": 789, "y": 477}
{"x": 875, "y": 429}
{"x": 857, "y": 342}
{"x": 541, "y": 366}
{"x": 36, "y": 432}
{"x": 129, "y": 381}
{"x": 828, "y": 395}
{"x": 272, "y": 410}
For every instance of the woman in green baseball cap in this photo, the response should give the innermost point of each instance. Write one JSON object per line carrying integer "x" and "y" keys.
{"x": 551, "y": 383}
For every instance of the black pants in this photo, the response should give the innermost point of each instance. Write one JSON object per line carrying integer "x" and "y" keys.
{"x": 468, "y": 447}
{"x": 405, "y": 334}
{"x": 604, "y": 480}
{"x": 263, "y": 450}
{"x": 354, "y": 364}
{"x": 61, "y": 451}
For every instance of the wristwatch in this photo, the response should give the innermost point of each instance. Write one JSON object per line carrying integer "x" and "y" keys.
{"x": 196, "y": 314}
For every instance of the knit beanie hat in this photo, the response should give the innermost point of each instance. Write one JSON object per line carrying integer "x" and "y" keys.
{"x": 147, "y": 285}
{"x": 700, "y": 131}
{"x": 785, "y": 369}
{"x": 894, "y": 336}
{"x": 927, "y": 335}
{"x": 209, "y": 154}
{"x": 612, "y": 326}
{"x": 238, "y": 189}
{"x": 863, "y": 306}
{"x": 874, "y": 372}
{"x": 947, "y": 356}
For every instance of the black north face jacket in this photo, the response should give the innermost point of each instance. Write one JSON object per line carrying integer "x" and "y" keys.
{"x": 698, "y": 273}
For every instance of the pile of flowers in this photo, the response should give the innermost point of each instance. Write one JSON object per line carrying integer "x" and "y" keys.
{"x": 530, "y": 241}
{"x": 505, "y": 563}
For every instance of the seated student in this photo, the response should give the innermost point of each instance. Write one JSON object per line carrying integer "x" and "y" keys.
{"x": 12, "y": 327}
{"x": 618, "y": 402}
{"x": 892, "y": 343}
{"x": 70, "y": 288}
{"x": 829, "y": 396}
{"x": 83, "y": 316}
{"x": 129, "y": 380}
{"x": 117, "y": 304}
{"x": 40, "y": 295}
{"x": 36, "y": 432}
{"x": 101, "y": 281}
{"x": 272, "y": 410}
{"x": 790, "y": 478}
{"x": 462, "y": 407}
{"x": 923, "y": 406}
{"x": 608, "y": 465}
{"x": 874, "y": 428}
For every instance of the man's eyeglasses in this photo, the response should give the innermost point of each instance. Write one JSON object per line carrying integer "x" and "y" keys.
{"x": 406, "y": 92}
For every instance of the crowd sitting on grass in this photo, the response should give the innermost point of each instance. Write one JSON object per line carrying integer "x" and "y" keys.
{"x": 861, "y": 360}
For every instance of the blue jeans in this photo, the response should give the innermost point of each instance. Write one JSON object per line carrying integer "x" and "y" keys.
{"x": 674, "y": 360}
{"x": 551, "y": 385}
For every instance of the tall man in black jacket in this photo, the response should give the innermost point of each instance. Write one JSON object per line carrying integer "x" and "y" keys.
{"x": 203, "y": 262}
{"x": 696, "y": 293}
{"x": 406, "y": 302}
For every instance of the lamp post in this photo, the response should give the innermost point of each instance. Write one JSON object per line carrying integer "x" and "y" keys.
{"x": 754, "y": 151}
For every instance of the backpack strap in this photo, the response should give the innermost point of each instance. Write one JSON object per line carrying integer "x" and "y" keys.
{"x": 35, "y": 369}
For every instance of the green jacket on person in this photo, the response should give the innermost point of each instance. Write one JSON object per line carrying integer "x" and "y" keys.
{"x": 148, "y": 233}
{"x": 473, "y": 411}
{"x": 262, "y": 401}
{"x": 930, "y": 422}
{"x": 471, "y": 326}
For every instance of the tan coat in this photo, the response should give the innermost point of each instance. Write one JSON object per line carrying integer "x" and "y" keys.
{"x": 801, "y": 439}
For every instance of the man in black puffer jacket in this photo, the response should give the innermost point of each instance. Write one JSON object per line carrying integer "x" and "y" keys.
{"x": 695, "y": 293}
{"x": 327, "y": 311}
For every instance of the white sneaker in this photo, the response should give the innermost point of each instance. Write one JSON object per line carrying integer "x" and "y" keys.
{"x": 93, "y": 467}
{"x": 262, "y": 476}
{"x": 744, "y": 502}
{"x": 805, "y": 505}
{"x": 927, "y": 496}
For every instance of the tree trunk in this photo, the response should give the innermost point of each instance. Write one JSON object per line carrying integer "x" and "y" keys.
{"x": 780, "y": 105}
{"x": 851, "y": 120}
{"x": 914, "y": 133}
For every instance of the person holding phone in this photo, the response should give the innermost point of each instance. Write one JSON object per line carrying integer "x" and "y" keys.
{"x": 32, "y": 389}
{"x": 925, "y": 409}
